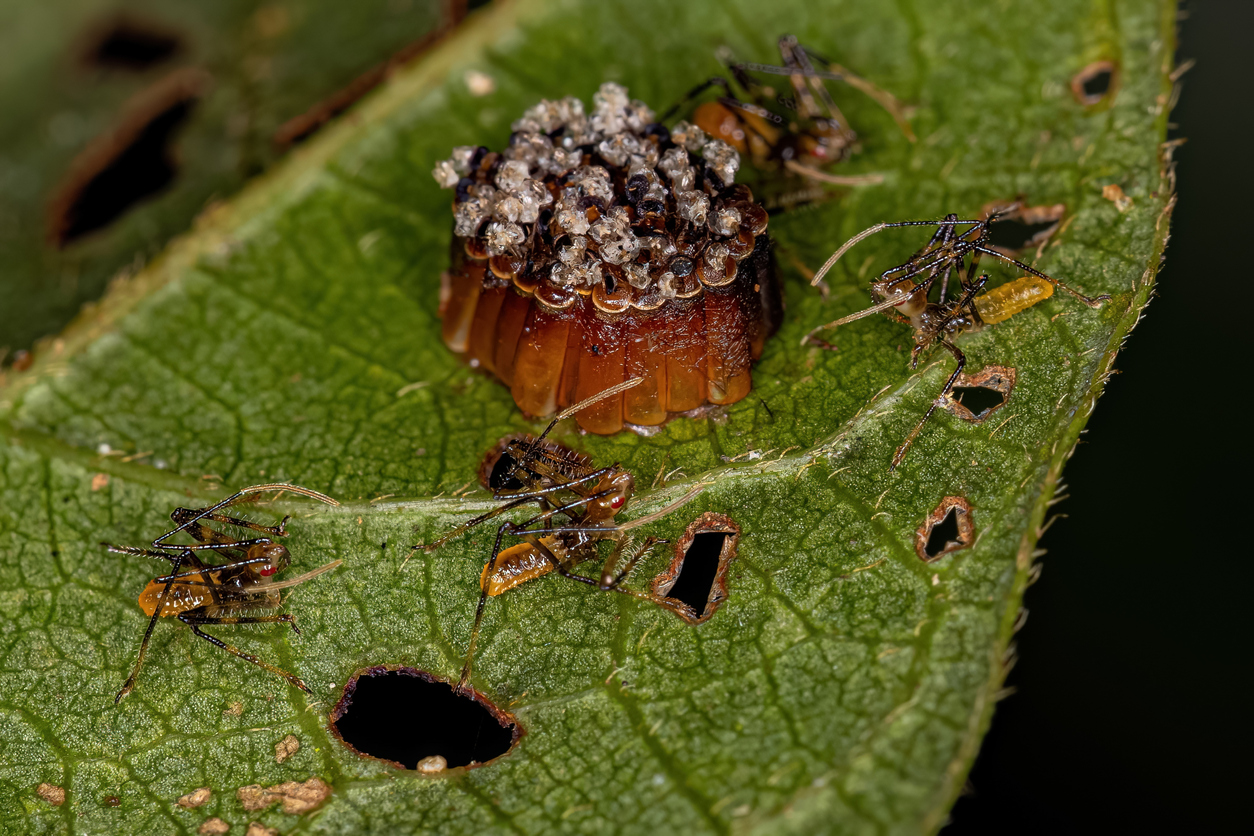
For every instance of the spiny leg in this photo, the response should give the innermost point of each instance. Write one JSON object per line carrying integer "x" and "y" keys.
{"x": 537, "y": 444}
{"x": 152, "y": 624}
{"x": 610, "y": 579}
{"x": 194, "y": 622}
{"x": 1091, "y": 301}
{"x": 940, "y": 399}
{"x": 483, "y": 600}
{"x": 202, "y": 513}
{"x": 515, "y": 501}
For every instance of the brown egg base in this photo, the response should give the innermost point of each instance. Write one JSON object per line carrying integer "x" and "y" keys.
{"x": 690, "y": 351}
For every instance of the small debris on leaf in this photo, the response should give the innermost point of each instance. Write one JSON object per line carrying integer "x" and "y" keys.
{"x": 297, "y": 797}
{"x": 214, "y": 827}
{"x": 195, "y": 798}
{"x": 285, "y": 748}
{"x": 1114, "y": 193}
{"x": 51, "y": 793}
{"x": 99, "y": 481}
{"x": 432, "y": 764}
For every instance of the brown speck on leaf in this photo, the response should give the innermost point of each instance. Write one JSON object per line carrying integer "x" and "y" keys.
{"x": 51, "y": 793}
{"x": 432, "y": 764}
{"x": 99, "y": 481}
{"x": 214, "y": 827}
{"x": 1114, "y": 193}
{"x": 296, "y": 797}
{"x": 112, "y": 801}
{"x": 195, "y": 798}
{"x": 236, "y": 709}
{"x": 285, "y": 748}
{"x": 258, "y": 829}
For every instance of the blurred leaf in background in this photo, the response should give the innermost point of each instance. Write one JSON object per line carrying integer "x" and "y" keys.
{"x": 120, "y": 121}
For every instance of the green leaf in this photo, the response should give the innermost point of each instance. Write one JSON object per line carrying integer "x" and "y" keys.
{"x": 845, "y": 684}
{"x": 250, "y": 67}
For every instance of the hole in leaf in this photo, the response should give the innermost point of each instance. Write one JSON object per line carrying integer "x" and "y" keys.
{"x": 129, "y": 44}
{"x": 977, "y": 396}
{"x": 129, "y": 163}
{"x": 947, "y": 529}
{"x": 1095, "y": 83}
{"x": 695, "y": 584}
{"x": 696, "y": 578}
{"x": 977, "y": 399}
{"x": 417, "y": 721}
{"x": 942, "y": 534}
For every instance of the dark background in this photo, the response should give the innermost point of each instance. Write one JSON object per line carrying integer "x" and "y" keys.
{"x": 1132, "y": 711}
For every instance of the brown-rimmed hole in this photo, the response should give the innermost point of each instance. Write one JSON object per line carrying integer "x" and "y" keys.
{"x": 947, "y": 529}
{"x": 977, "y": 396}
{"x": 1095, "y": 83}
{"x": 416, "y": 720}
{"x": 126, "y": 43}
{"x": 133, "y": 161}
{"x": 695, "y": 584}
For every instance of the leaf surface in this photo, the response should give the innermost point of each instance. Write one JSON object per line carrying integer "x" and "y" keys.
{"x": 845, "y": 684}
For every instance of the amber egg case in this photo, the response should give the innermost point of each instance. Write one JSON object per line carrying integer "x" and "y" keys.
{"x": 600, "y": 247}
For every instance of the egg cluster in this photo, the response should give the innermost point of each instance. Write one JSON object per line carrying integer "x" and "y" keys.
{"x": 608, "y": 204}
{"x": 602, "y": 244}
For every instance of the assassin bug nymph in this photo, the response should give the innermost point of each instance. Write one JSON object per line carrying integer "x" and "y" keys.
{"x": 562, "y": 482}
{"x": 814, "y": 133}
{"x": 200, "y": 593}
{"x": 903, "y": 293}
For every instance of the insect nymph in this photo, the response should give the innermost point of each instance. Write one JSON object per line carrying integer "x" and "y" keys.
{"x": 583, "y": 498}
{"x": 801, "y": 134}
{"x": 903, "y": 292}
{"x": 199, "y": 593}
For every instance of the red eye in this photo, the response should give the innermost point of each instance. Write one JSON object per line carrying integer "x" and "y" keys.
{"x": 268, "y": 571}
{"x": 617, "y": 502}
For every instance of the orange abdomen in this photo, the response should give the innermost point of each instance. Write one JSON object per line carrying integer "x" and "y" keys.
{"x": 1004, "y": 301}
{"x": 183, "y": 597}
{"x": 517, "y": 565}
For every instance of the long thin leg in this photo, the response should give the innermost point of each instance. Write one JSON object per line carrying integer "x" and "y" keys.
{"x": 194, "y": 622}
{"x": 140, "y": 552}
{"x": 279, "y": 530}
{"x": 714, "y": 81}
{"x": 143, "y": 645}
{"x": 866, "y": 233}
{"x": 537, "y": 444}
{"x": 940, "y": 400}
{"x": 1091, "y": 301}
{"x": 235, "y": 497}
{"x": 515, "y": 501}
{"x": 471, "y": 523}
{"x": 219, "y": 567}
{"x": 483, "y": 600}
